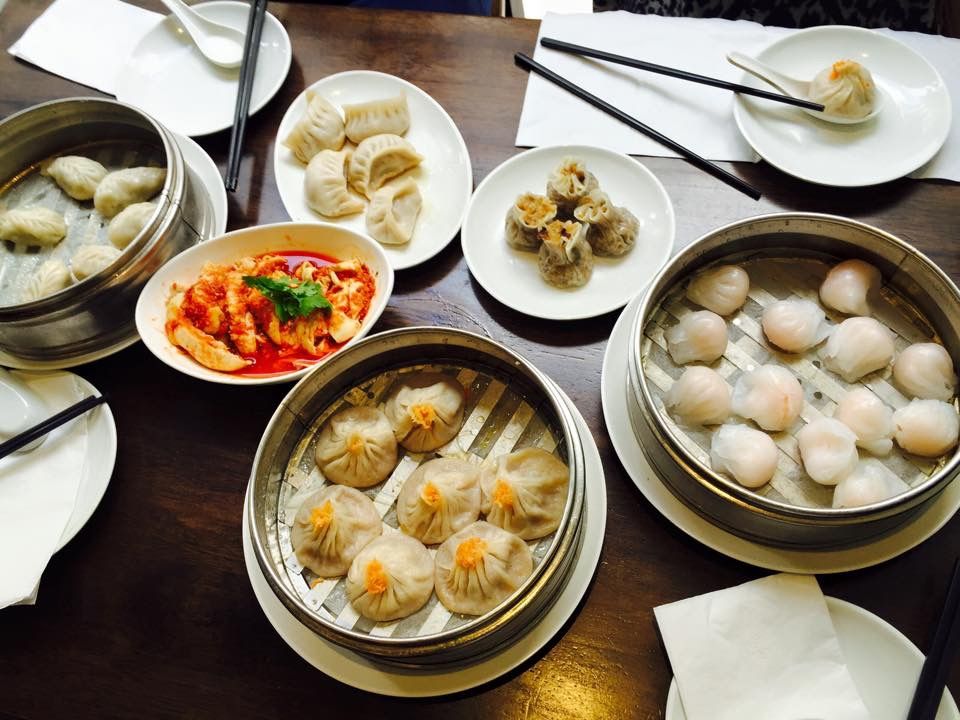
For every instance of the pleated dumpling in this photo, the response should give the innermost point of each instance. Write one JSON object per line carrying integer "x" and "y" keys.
{"x": 52, "y": 276}
{"x": 527, "y": 218}
{"x": 856, "y": 347}
{"x": 846, "y": 88}
{"x": 356, "y": 447}
{"x": 565, "y": 259}
{"x": 126, "y": 187}
{"x": 389, "y": 115}
{"x": 38, "y": 226}
{"x": 425, "y": 410}
{"x": 128, "y": 223}
{"x": 439, "y": 498}
{"x": 849, "y": 286}
{"x": 331, "y": 527}
{"x": 568, "y": 183}
{"x": 699, "y": 397}
{"x": 325, "y": 185}
{"x": 611, "y": 231}
{"x": 722, "y": 288}
{"x": 479, "y": 567}
{"x": 378, "y": 159}
{"x": 76, "y": 175}
{"x": 390, "y": 578}
{"x": 393, "y": 212}
{"x": 90, "y": 259}
{"x": 525, "y": 492}
{"x": 320, "y": 128}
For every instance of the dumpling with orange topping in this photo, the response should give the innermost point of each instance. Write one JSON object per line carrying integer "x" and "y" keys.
{"x": 439, "y": 498}
{"x": 525, "y": 492}
{"x": 529, "y": 214}
{"x": 479, "y": 567}
{"x": 425, "y": 410}
{"x": 331, "y": 527}
{"x": 357, "y": 447}
{"x": 390, "y": 578}
{"x": 845, "y": 88}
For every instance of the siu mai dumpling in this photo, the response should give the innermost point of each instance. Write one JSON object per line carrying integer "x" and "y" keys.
{"x": 363, "y": 120}
{"x": 425, "y": 410}
{"x": 51, "y": 277}
{"x": 611, "y": 231}
{"x": 390, "y": 578}
{"x": 77, "y": 176}
{"x": 331, "y": 527}
{"x": 525, "y": 492}
{"x": 846, "y": 88}
{"x": 722, "y": 289}
{"x": 440, "y": 497}
{"x": 128, "y": 223}
{"x": 320, "y": 128}
{"x": 325, "y": 185}
{"x": 126, "y": 187}
{"x": 378, "y": 159}
{"x": 393, "y": 212}
{"x": 36, "y": 226}
{"x": 527, "y": 218}
{"x": 356, "y": 447}
{"x": 568, "y": 184}
{"x": 89, "y": 260}
{"x": 565, "y": 258}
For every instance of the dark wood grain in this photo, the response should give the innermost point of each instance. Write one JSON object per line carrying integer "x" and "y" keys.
{"x": 149, "y": 612}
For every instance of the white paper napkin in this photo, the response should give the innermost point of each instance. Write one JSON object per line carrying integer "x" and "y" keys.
{"x": 86, "y": 41}
{"x": 38, "y": 491}
{"x": 764, "y": 650}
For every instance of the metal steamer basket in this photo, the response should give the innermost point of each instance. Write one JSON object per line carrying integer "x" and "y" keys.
{"x": 95, "y": 315}
{"x": 510, "y": 405}
{"x": 788, "y": 255}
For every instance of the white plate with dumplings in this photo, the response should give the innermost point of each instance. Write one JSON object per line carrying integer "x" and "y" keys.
{"x": 444, "y": 178}
{"x": 911, "y": 126}
{"x": 512, "y": 276}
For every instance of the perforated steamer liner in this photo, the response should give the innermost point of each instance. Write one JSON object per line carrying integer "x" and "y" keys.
{"x": 787, "y": 255}
{"x": 510, "y": 405}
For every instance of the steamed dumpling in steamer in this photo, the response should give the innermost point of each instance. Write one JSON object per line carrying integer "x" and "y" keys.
{"x": 320, "y": 128}
{"x": 568, "y": 184}
{"x": 33, "y": 226}
{"x": 828, "y": 449}
{"x": 925, "y": 370}
{"x": 699, "y": 336}
{"x": 565, "y": 259}
{"x": 846, "y": 88}
{"x": 126, "y": 187}
{"x": 748, "y": 455}
{"x": 333, "y": 525}
{"x": 128, "y": 223}
{"x": 869, "y": 419}
{"x": 425, "y": 410}
{"x": 700, "y": 397}
{"x": 848, "y": 287}
{"x": 611, "y": 231}
{"x": 525, "y": 492}
{"x": 869, "y": 483}
{"x": 770, "y": 395}
{"x": 356, "y": 447}
{"x": 794, "y": 325}
{"x": 51, "y": 277}
{"x": 439, "y": 498}
{"x": 856, "y": 347}
{"x": 390, "y": 578}
{"x": 722, "y": 289}
{"x": 926, "y": 427}
{"x": 76, "y": 175}
{"x": 527, "y": 218}
{"x": 89, "y": 260}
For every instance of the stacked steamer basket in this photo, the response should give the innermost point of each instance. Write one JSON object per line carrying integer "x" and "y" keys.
{"x": 787, "y": 255}
{"x": 95, "y": 316}
{"x": 510, "y": 405}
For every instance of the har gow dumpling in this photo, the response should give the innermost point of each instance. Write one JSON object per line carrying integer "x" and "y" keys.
{"x": 926, "y": 427}
{"x": 363, "y": 120}
{"x": 700, "y": 397}
{"x": 378, "y": 159}
{"x": 390, "y": 578}
{"x": 525, "y": 492}
{"x": 565, "y": 259}
{"x": 52, "y": 276}
{"x": 331, "y": 527}
{"x": 90, "y": 259}
{"x": 748, "y": 455}
{"x": 848, "y": 287}
{"x": 568, "y": 184}
{"x": 33, "y": 226}
{"x": 439, "y": 498}
{"x": 425, "y": 410}
{"x": 320, "y": 128}
{"x": 128, "y": 223}
{"x": 393, "y": 212}
{"x": 528, "y": 217}
{"x": 325, "y": 185}
{"x": 794, "y": 325}
{"x": 356, "y": 447}
{"x": 828, "y": 449}
{"x": 76, "y": 175}
{"x": 856, "y": 347}
{"x": 722, "y": 289}
{"x": 846, "y": 88}
{"x": 126, "y": 187}
{"x": 925, "y": 370}
{"x": 871, "y": 420}
{"x": 700, "y": 336}
{"x": 770, "y": 395}
{"x": 611, "y": 231}
{"x": 870, "y": 482}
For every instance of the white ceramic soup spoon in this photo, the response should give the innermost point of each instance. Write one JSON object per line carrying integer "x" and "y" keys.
{"x": 220, "y": 44}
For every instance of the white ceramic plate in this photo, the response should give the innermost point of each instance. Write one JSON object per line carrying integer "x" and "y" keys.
{"x": 184, "y": 269}
{"x": 909, "y": 130}
{"x": 512, "y": 277}
{"x": 613, "y": 386}
{"x": 445, "y": 177}
{"x": 884, "y": 664}
{"x": 355, "y": 670}
{"x": 167, "y": 76}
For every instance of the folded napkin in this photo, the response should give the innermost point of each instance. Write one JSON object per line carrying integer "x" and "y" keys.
{"x": 764, "y": 650}
{"x": 38, "y": 491}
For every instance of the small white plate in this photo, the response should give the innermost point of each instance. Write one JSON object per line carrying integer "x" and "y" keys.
{"x": 613, "y": 387}
{"x": 909, "y": 130}
{"x": 884, "y": 664}
{"x": 185, "y": 268}
{"x": 512, "y": 277}
{"x": 445, "y": 177}
{"x": 357, "y": 671}
{"x": 167, "y": 76}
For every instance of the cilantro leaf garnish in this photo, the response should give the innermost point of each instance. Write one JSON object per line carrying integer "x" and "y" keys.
{"x": 290, "y": 298}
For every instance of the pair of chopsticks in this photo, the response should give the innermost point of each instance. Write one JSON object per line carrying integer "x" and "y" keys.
{"x": 251, "y": 48}
{"x": 52, "y": 422}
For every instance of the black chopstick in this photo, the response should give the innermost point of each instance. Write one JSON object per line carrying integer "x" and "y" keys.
{"x": 248, "y": 68}
{"x": 52, "y": 422}
{"x": 702, "y": 163}
{"x": 554, "y": 44}
{"x": 943, "y": 649}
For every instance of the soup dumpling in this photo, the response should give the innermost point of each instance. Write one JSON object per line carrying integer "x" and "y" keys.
{"x": 425, "y": 410}
{"x": 525, "y": 492}
{"x": 331, "y": 527}
{"x": 356, "y": 447}
{"x": 320, "y": 128}
{"x": 439, "y": 498}
{"x": 76, "y": 175}
{"x": 527, "y": 218}
{"x": 378, "y": 159}
{"x": 845, "y": 88}
{"x": 390, "y": 578}
{"x": 565, "y": 258}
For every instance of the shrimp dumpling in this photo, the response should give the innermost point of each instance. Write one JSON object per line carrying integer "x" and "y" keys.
{"x": 356, "y": 447}
{"x": 389, "y": 115}
{"x": 794, "y": 325}
{"x": 440, "y": 497}
{"x": 128, "y": 223}
{"x": 569, "y": 183}
{"x": 565, "y": 259}
{"x": 91, "y": 259}
{"x": 849, "y": 285}
{"x": 700, "y": 397}
{"x": 126, "y": 187}
{"x": 320, "y": 128}
{"x": 700, "y": 336}
{"x": 846, "y": 88}
{"x": 748, "y": 455}
{"x": 390, "y": 578}
{"x": 611, "y": 231}
{"x": 868, "y": 417}
{"x": 425, "y": 410}
{"x": 332, "y": 525}
{"x": 925, "y": 370}
{"x": 828, "y": 449}
{"x": 525, "y": 492}
{"x": 378, "y": 159}
{"x": 325, "y": 185}
{"x": 770, "y": 395}
{"x": 33, "y": 226}
{"x": 926, "y": 427}
{"x": 527, "y": 218}
{"x": 479, "y": 567}
{"x": 51, "y": 277}
{"x": 856, "y": 347}
{"x": 393, "y": 213}
{"x": 869, "y": 483}
{"x": 76, "y": 175}
{"x": 722, "y": 289}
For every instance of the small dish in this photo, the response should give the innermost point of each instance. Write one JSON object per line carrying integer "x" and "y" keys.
{"x": 323, "y": 238}
{"x": 511, "y": 276}
{"x": 167, "y": 76}
{"x": 911, "y": 129}
{"x": 445, "y": 178}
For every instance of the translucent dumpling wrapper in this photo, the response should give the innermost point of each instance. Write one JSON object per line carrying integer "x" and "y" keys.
{"x": 748, "y": 455}
{"x": 425, "y": 410}
{"x": 795, "y": 325}
{"x": 849, "y": 286}
{"x": 846, "y": 88}
{"x": 699, "y": 336}
{"x": 356, "y": 447}
{"x": 525, "y": 492}
{"x": 770, "y": 395}
{"x": 527, "y": 218}
{"x": 565, "y": 259}
{"x": 440, "y": 497}
{"x": 33, "y": 226}
{"x": 926, "y": 427}
{"x": 856, "y": 347}
{"x": 325, "y": 185}
{"x": 722, "y": 289}
{"x": 333, "y": 525}
{"x": 699, "y": 397}
{"x": 390, "y": 578}
{"x": 925, "y": 370}
{"x": 828, "y": 449}
{"x": 869, "y": 483}
{"x": 869, "y": 419}
{"x": 76, "y": 175}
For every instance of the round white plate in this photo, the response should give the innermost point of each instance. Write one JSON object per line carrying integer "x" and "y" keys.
{"x": 911, "y": 127}
{"x": 167, "y": 76}
{"x": 512, "y": 277}
{"x": 445, "y": 177}
{"x": 357, "y": 671}
{"x": 884, "y": 664}
{"x": 613, "y": 386}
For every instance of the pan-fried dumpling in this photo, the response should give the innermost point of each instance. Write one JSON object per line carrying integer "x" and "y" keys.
{"x": 439, "y": 498}
{"x": 390, "y": 578}
{"x": 525, "y": 492}
{"x": 857, "y": 347}
{"x": 128, "y": 223}
{"x": 90, "y": 259}
{"x": 33, "y": 226}
{"x": 611, "y": 231}
{"x": 378, "y": 159}
{"x": 568, "y": 183}
{"x": 356, "y": 447}
{"x": 332, "y": 525}
{"x": 845, "y": 88}
{"x": 479, "y": 567}
{"x": 320, "y": 128}
{"x": 52, "y": 276}
{"x": 126, "y": 187}
{"x": 325, "y": 185}
{"x": 393, "y": 212}
{"x": 565, "y": 258}
{"x": 425, "y": 410}
{"x": 722, "y": 288}
{"x": 76, "y": 175}
{"x": 527, "y": 218}
{"x": 376, "y": 117}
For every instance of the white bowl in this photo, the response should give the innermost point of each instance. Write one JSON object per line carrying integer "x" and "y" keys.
{"x": 184, "y": 269}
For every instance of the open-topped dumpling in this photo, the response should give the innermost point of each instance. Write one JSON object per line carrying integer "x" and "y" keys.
{"x": 566, "y": 260}
{"x": 527, "y": 218}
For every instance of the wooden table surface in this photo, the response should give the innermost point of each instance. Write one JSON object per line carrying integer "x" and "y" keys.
{"x": 149, "y": 612}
